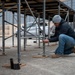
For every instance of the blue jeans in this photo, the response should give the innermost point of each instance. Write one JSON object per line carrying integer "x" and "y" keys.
{"x": 66, "y": 44}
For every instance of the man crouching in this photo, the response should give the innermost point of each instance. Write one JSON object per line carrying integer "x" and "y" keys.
{"x": 65, "y": 35}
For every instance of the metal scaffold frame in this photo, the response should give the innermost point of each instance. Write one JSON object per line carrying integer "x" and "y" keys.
{"x": 3, "y": 29}
{"x": 38, "y": 24}
{"x": 19, "y": 25}
{"x": 25, "y": 39}
{"x": 13, "y": 30}
{"x": 44, "y": 13}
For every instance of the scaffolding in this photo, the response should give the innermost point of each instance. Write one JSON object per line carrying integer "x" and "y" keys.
{"x": 45, "y": 9}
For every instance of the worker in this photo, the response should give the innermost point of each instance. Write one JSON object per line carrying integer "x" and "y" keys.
{"x": 65, "y": 35}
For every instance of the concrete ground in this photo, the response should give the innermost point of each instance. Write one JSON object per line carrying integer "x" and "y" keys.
{"x": 36, "y": 66}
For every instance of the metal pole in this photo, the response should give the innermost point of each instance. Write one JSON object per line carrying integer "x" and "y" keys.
{"x": 3, "y": 29}
{"x": 39, "y": 30}
{"x": 11, "y": 24}
{"x": 48, "y": 28}
{"x": 74, "y": 22}
{"x": 25, "y": 39}
{"x": 31, "y": 11}
{"x": 66, "y": 16}
{"x": 36, "y": 30}
{"x": 9, "y": 36}
{"x": 11, "y": 7}
{"x": 13, "y": 31}
{"x": 72, "y": 4}
{"x": 44, "y": 5}
{"x": 19, "y": 27}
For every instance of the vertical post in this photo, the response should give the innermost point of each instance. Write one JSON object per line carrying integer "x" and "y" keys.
{"x": 72, "y": 4}
{"x": 25, "y": 39}
{"x": 48, "y": 28}
{"x": 3, "y": 29}
{"x": 44, "y": 7}
{"x": 36, "y": 30}
{"x": 73, "y": 17}
{"x": 19, "y": 27}
{"x": 59, "y": 9}
{"x": 13, "y": 30}
{"x": 74, "y": 21}
{"x": 39, "y": 30}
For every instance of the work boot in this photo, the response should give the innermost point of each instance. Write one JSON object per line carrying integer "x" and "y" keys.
{"x": 55, "y": 56}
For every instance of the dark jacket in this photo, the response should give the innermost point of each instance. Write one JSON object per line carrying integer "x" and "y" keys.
{"x": 64, "y": 28}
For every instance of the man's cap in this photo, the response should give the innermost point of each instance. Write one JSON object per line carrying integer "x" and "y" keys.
{"x": 56, "y": 19}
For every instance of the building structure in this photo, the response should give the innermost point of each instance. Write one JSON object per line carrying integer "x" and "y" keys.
{"x": 45, "y": 9}
{"x": 70, "y": 3}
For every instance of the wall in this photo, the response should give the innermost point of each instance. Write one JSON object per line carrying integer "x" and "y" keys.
{"x": 70, "y": 3}
{"x": 8, "y": 30}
